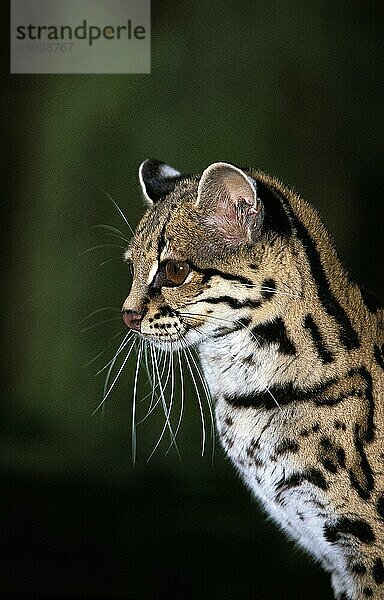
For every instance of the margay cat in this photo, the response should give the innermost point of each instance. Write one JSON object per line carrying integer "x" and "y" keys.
{"x": 238, "y": 265}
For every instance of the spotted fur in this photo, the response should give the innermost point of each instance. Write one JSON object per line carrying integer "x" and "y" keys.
{"x": 291, "y": 349}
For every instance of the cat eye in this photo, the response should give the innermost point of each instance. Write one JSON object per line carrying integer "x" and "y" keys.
{"x": 175, "y": 272}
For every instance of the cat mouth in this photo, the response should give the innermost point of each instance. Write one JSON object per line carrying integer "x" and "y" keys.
{"x": 172, "y": 336}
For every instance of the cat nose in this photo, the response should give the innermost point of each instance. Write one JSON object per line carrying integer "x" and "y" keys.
{"x": 132, "y": 319}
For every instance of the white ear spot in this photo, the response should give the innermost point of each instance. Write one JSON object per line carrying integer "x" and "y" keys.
{"x": 168, "y": 172}
{"x": 157, "y": 179}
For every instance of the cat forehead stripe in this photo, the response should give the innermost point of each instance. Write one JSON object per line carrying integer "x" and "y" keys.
{"x": 152, "y": 272}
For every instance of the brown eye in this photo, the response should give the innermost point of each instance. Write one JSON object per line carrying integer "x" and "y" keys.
{"x": 175, "y": 272}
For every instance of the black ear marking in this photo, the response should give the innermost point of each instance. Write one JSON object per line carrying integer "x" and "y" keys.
{"x": 157, "y": 179}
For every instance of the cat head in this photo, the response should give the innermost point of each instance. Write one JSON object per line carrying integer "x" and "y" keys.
{"x": 209, "y": 250}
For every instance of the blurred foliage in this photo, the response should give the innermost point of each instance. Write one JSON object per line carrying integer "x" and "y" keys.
{"x": 294, "y": 89}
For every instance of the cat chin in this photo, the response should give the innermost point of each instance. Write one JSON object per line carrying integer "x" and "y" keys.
{"x": 172, "y": 343}
{"x": 168, "y": 344}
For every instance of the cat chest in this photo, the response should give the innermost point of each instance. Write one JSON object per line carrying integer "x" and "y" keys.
{"x": 269, "y": 465}
{"x": 236, "y": 367}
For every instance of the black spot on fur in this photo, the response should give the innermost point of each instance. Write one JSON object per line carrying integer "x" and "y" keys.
{"x": 268, "y": 289}
{"x": 313, "y": 476}
{"x": 228, "y": 441}
{"x": 370, "y": 301}
{"x": 369, "y": 426}
{"x": 361, "y": 475}
{"x": 166, "y": 311}
{"x": 359, "y": 569}
{"x": 323, "y": 352}
{"x": 284, "y": 395}
{"x": 249, "y": 359}
{"x": 378, "y": 571}
{"x": 379, "y": 357}
{"x": 356, "y": 388}
{"x": 162, "y": 242}
{"x": 368, "y": 593}
{"x": 329, "y": 465}
{"x": 314, "y": 429}
{"x": 209, "y": 273}
{"x": 251, "y": 451}
{"x": 287, "y": 446}
{"x": 154, "y": 290}
{"x": 326, "y": 443}
{"x": 331, "y": 457}
{"x": 380, "y": 506}
{"x": 361, "y": 386}
{"x": 347, "y": 334}
{"x": 276, "y": 219}
{"x": 237, "y": 326}
{"x": 340, "y": 425}
{"x": 349, "y": 527}
{"x": 274, "y": 332}
{"x": 233, "y": 302}
{"x": 340, "y": 456}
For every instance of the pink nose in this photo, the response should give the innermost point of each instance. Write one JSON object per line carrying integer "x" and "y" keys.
{"x": 132, "y": 319}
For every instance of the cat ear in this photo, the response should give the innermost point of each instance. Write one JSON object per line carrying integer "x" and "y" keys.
{"x": 228, "y": 199}
{"x": 157, "y": 179}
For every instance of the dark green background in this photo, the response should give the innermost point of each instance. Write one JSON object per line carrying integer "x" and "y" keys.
{"x": 292, "y": 88}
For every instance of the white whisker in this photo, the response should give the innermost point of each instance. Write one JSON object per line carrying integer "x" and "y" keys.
{"x": 92, "y": 248}
{"x": 138, "y": 364}
{"x": 181, "y": 398}
{"x": 111, "y": 362}
{"x": 200, "y": 404}
{"x": 89, "y": 327}
{"x": 207, "y": 395}
{"x": 105, "y": 349}
{"x": 113, "y": 232}
{"x": 235, "y": 358}
{"x": 115, "y": 379}
{"x": 152, "y": 405}
{"x": 104, "y": 262}
{"x": 98, "y": 310}
{"x": 166, "y": 414}
{"x": 118, "y": 209}
{"x": 146, "y": 360}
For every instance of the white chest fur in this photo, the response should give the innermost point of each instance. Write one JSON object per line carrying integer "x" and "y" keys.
{"x": 232, "y": 365}
{"x": 252, "y": 437}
